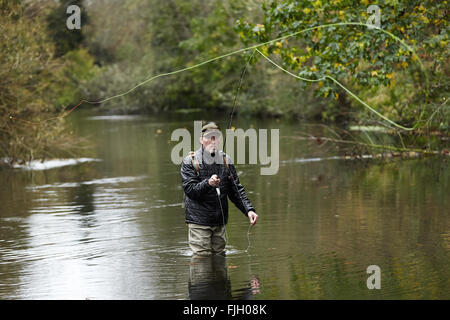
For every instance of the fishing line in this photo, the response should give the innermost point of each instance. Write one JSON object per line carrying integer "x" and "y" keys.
{"x": 369, "y": 26}
{"x": 229, "y": 127}
{"x": 255, "y": 47}
{"x": 248, "y": 238}
{"x": 223, "y": 216}
{"x": 224, "y": 154}
{"x": 236, "y": 96}
{"x": 343, "y": 87}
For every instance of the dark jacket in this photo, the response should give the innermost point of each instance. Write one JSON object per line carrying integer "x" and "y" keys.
{"x": 202, "y": 203}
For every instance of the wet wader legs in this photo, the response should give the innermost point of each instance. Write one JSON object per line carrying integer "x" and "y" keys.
{"x": 206, "y": 240}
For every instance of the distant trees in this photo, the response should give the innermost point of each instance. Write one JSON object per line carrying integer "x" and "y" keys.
{"x": 47, "y": 68}
{"x": 134, "y": 40}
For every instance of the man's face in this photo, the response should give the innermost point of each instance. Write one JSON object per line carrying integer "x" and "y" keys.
{"x": 211, "y": 141}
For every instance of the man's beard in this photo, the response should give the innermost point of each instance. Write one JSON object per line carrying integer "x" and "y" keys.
{"x": 212, "y": 151}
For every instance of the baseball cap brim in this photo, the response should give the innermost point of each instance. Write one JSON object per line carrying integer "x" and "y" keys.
{"x": 212, "y": 132}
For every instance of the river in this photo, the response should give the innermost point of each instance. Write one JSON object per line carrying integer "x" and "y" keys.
{"x": 112, "y": 226}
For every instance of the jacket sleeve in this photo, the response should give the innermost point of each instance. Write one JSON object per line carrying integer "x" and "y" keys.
{"x": 238, "y": 195}
{"x": 192, "y": 185}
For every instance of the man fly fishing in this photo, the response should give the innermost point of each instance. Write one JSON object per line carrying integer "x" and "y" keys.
{"x": 209, "y": 177}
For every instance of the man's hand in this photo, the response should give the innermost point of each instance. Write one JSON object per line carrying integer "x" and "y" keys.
{"x": 214, "y": 181}
{"x": 252, "y": 216}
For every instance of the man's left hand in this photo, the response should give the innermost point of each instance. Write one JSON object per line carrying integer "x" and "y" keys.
{"x": 252, "y": 216}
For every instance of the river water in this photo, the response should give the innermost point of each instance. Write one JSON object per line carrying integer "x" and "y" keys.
{"x": 111, "y": 226}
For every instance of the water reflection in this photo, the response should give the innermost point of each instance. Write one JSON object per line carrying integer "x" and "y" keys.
{"x": 83, "y": 199}
{"x": 209, "y": 280}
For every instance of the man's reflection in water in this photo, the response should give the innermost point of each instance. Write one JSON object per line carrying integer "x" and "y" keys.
{"x": 208, "y": 280}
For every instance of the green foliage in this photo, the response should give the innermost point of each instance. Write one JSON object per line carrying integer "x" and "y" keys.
{"x": 65, "y": 40}
{"x": 166, "y": 36}
{"x": 367, "y": 60}
{"x": 46, "y": 67}
{"x": 77, "y": 68}
{"x": 137, "y": 39}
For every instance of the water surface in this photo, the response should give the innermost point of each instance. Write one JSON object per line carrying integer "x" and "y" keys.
{"x": 114, "y": 228}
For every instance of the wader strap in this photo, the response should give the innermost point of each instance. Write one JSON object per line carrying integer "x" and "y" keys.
{"x": 225, "y": 161}
{"x": 194, "y": 162}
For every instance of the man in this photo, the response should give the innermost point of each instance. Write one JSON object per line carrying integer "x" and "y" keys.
{"x": 207, "y": 176}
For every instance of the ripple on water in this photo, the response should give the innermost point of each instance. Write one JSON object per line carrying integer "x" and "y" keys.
{"x": 51, "y": 164}
{"x": 115, "y": 117}
{"x": 102, "y": 181}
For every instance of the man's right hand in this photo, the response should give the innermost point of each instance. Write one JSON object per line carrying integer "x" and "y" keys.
{"x": 214, "y": 181}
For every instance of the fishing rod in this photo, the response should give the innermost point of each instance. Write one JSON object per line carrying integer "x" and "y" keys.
{"x": 230, "y": 175}
{"x": 229, "y": 127}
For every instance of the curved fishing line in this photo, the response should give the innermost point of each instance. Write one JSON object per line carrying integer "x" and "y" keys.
{"x": 343, "y": 87}
{"x": 437, "y": 109}
{"x": 259, "y": 45}
{"x": 369, "y": 26}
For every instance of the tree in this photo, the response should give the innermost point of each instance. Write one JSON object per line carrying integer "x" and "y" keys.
{"x": 361, "y": 58}
{"x": 65, "y": 40}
